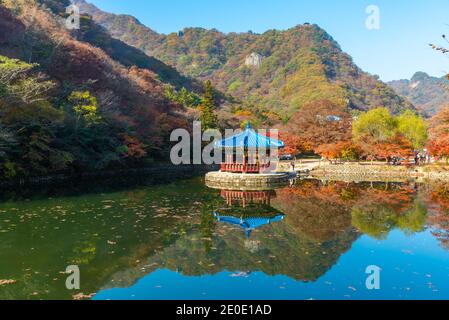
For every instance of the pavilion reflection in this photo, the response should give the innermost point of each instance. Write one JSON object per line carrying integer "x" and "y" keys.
{"x": 248, "y": 210}
{"x": 243, "y": 198}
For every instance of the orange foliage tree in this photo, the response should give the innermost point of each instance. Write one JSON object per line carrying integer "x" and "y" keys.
{"x": 293, "y": 144}
{"x": 321, "y": 123}
{"x": 397, "y": 146}
{"x": 339, "y": 150}
{"x": 439, "y": 134}
{"x": 133, "y": 147}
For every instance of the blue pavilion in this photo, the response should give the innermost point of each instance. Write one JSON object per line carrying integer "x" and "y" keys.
{"x": 244, "y": 151}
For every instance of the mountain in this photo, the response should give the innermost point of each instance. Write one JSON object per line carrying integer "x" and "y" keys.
{"x": 74, "y": 101}
{"x": 428, "y": 94}
{"x": 277, "y": 71}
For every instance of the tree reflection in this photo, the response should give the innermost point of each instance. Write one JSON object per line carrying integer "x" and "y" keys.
{"x": 438, "y": 202}
{"x": 208, "y": 223}
{"x": 379, "y": 211}
{"x": 322, "y": 209}
{"x": 319, "y": 212}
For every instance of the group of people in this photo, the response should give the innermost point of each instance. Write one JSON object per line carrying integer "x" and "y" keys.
{"x": 422, "y": 158}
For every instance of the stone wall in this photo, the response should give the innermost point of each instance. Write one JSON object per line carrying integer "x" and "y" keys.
{"x": 235, "y": 181}
{"x": 372, "y": 172}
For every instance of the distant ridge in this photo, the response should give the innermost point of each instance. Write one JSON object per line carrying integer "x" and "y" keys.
{"x": 428, "y": 94}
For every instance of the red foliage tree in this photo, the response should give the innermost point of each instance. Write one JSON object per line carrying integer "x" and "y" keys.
{"x": 293, "y": 144}
{"x": 398, "y": 146}
{"x": 321, "y": 123}
{"x": 337, "y": 150}
{"x": 439, "y": 134}
{"x": 134, "y": 148}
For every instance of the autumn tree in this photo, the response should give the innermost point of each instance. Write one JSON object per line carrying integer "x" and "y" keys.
{"x": 321, "y": 123}
{"x": 293, "y": 144}
{"x": 344, "y": 150}
{"x": 439, "y": 134}
{"x": 379, "y": 135}
{"x": 132, "y": 148}
{"x": 28, "y": 121}
{"x": 439, "y": 124}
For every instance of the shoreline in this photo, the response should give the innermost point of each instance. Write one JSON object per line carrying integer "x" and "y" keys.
{"x": 359, "y": 172}
{"x": 157, "y": 174}
{"x": 165, "y": 173}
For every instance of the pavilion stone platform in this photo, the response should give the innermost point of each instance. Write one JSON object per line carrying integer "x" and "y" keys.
{"x": 242, "y": 181}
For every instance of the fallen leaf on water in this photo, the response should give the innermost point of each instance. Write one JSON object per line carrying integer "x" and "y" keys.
{"x": 6, "y": 282}
{"x": 240, "y": 274}
{"x": 82, "y": 296}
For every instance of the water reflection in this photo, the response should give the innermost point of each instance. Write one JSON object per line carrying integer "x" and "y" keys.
{"x": 304, "y": 233}
{"x": 248, "y": 210}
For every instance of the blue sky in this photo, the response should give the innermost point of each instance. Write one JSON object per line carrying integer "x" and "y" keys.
{"x": 395, "y": 51}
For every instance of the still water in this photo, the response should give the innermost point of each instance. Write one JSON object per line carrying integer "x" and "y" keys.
{"x": 185, "y": 241}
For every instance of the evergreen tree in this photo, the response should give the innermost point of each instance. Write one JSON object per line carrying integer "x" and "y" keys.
{"x": 208, "y": 117}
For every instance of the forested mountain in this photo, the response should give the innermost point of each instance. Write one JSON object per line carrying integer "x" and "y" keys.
{"x": 108, "y": 95}
{"x": 428, "y": 94}
{"x": 68, "y": 106}
{"x": 276, "y": 71}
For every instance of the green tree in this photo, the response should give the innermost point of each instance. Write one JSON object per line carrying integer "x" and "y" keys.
{"x": 414, "y": 128}
{"x": 8, "y": 144}
{"x": 19, "y": 85}
{"x": 376, "y": 124}
{"x": 7, "y": 141}
{"x": 85, "y": 107}
{"x": 188, "y": 99}
{"x": 208, "y": 117}
{"x": 184, "y": 97}
{"x": 39, "y": 153}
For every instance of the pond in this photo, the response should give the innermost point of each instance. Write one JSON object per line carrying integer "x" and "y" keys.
{"x": 313, "y": 240}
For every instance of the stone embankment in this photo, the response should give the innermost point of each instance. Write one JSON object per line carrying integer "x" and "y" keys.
{"x": 235, "y": 181}
{"x": 366, "y": 172}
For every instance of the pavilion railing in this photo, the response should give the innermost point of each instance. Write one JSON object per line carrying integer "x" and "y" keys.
{"x": 243, "y": 168}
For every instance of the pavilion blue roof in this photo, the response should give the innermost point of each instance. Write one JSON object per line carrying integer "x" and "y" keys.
{"x": 249, "y": 139}
{"x": 248, "y": 224}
